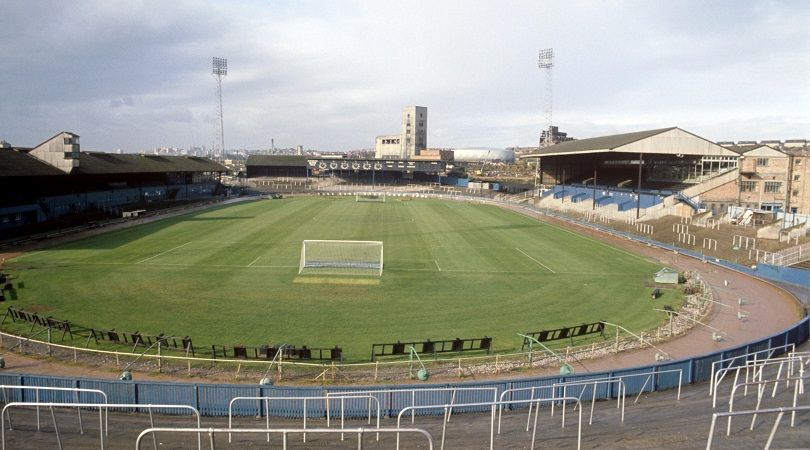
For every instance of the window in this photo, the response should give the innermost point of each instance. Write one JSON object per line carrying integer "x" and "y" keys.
{"x": 762, "y": 162}
{"x": 748, "y": 186}
{"x": 798, "y": 161}
{"x": 773, "y": 186}
{"x": 796, "y": 177}
{"x": 795, "y": 192}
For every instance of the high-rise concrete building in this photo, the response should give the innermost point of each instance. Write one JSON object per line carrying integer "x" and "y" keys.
{"x": 414, "y": 130}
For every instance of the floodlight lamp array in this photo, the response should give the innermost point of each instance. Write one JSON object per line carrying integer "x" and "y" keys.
{"x": 545, "y": 59}
{"x": 220, "y": 66}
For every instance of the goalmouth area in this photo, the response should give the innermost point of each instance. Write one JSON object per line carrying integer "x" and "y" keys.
{"x": 335, "y": 257}
{"x": 230, "y": 275}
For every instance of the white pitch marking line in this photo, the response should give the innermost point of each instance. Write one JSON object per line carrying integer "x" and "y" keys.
{"x": 538, "y": 262}
{"x": 437, "y": 265}
{"x": 163, "y": 253}
{"x": 285, "y": 267}
{"x": 254, "y": 261}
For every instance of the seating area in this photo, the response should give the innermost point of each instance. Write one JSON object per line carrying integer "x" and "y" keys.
{"x": 624, "y": 199}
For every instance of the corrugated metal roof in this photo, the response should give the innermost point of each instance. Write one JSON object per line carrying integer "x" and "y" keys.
{"x": 602, "y": 143}
{"x": 17, "y": 164}
{"x": 277, "y": 160}
{"x": 92, "y": 163}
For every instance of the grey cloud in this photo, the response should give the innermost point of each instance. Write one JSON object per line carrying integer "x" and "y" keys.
{"x": 126, "y": 101}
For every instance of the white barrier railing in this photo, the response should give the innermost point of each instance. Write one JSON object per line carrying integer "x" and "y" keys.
{"x": 38, "y": 389}
{"x": 211, "y": 432}
{"x": 753, "y": 371}
{"x": 620, "y": 398}
{"x": 744, "y": 357}
{"x": 451, "y": 390}
{"x": 789, "y": 256}
{"x": 779, "y": 411}
{"x": 101, "y": 407}
{"x": 305, "y": 401}
{"x": 798, "y": 389}
{"x": 493, "y": 406}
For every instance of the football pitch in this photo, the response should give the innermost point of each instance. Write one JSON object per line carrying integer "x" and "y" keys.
{"x": 229, "y": 276}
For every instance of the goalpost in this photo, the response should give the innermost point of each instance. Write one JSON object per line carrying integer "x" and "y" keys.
{"x": 370, "y": 197}
{"x": 341, "y": 257}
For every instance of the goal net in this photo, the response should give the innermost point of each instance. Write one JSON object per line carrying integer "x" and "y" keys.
{"x": 341, "y": 257}
{"x": 369, "y": 197}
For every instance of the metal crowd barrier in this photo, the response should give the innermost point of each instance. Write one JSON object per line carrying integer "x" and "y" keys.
{"x": 283, "y": 431}
{"x": 305, "y": 401}
{"x": 101, "y": 407}
{"x": 493, "y": 406}
{"x": 780, "y": 412}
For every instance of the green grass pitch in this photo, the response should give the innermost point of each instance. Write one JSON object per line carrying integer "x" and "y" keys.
{"x": 229, "y": 276}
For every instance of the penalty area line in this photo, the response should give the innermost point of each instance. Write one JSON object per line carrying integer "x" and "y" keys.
{"x": 437, "y": 265}
{"x": 163, "y": 253}
{"x": 254, "y": 261}
{"x": 538, "y": 262}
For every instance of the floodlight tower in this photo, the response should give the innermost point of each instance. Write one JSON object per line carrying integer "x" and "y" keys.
{"x": 220, "y": 70}
{"x": 545, "y": 62}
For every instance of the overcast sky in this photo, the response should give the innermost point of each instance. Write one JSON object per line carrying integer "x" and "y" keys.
{"x": 333, "y": 75}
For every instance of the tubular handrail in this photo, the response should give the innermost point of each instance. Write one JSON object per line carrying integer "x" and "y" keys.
{"x": 769, "y": 350}
{"x": 100, "y": 406}
{"x": 532, "y": 390}
{"x": 305, "y": 401}
{"x": 592, "y": 384}
{"x": 757, "y": 367}
{"x": 413, "y": 393}
{"x": 283, "y": 431}
{"x": 493, "y": 406}
{"x": 798, "y": 388}
{"x": 37, "y": 390}
{"x": 779, "y": 411}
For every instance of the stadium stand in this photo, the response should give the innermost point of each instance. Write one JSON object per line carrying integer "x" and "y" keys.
{"x": 55, "y": 184}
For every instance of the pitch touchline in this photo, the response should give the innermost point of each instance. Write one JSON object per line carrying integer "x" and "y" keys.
{"x": 163, "y": 253}
{"x": 538, "y": 262}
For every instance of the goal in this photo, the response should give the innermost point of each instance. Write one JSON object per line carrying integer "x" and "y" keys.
{"x": 341, "y": 257}
{"x": 369, "y": 197}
